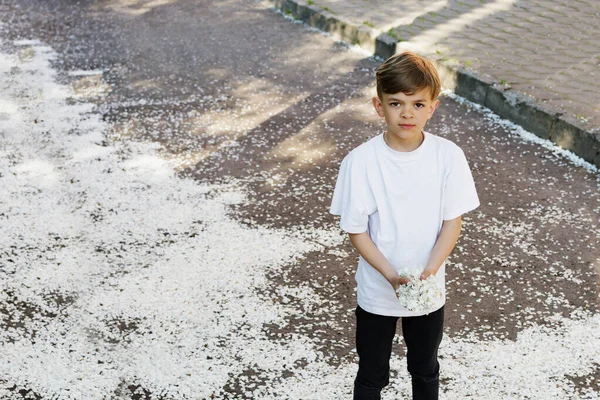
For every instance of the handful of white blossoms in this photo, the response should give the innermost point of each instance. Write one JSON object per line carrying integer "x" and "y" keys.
{"x": 419, "y": 295}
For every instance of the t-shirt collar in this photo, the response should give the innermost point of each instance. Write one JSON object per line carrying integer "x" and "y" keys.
{"x": 404, "y": 155}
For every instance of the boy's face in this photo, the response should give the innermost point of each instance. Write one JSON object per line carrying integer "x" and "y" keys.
{"x": 406, "y": 115}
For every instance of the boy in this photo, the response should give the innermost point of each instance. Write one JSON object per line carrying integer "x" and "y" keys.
{"x": 400, "y": 196}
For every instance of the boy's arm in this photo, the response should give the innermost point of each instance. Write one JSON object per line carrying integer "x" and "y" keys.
{"x": 443, "y": 246}
{"x": 366, "y": 248}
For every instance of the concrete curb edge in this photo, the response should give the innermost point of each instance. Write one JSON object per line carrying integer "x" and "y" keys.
{"x": 568, "y": 133}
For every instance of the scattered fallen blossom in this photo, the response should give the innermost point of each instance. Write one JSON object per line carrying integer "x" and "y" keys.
{"x": 525, "y": 135}
{"x": 131, "y": 276}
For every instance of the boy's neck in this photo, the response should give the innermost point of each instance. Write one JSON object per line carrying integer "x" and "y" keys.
{"x": 406, "y": 145}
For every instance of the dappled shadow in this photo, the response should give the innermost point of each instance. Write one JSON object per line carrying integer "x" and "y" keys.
{"x": 134, "y": 7}
{"x": 259, "y": 145}
{"x": 213, "y": 101}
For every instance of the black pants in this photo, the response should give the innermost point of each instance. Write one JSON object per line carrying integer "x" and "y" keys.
{"x": 374, "y": 336}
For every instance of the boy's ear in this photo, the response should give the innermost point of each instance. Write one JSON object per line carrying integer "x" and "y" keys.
{"x": 432, "y": 108}
{"x": 378, "y": 106}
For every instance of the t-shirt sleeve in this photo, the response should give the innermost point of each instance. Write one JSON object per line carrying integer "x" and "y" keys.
{"x": 352, "y": 198}
{"x": 460, "y": 195}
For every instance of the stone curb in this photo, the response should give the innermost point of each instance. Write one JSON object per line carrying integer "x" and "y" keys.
{"x": 568, "y": 133}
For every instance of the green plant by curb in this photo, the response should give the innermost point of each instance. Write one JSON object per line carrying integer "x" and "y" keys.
{"x": 369, "y": 24}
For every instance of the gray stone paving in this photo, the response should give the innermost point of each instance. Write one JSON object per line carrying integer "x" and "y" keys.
{"x": 548, "y": 51}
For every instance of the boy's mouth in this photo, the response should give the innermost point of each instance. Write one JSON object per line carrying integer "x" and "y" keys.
{"x": 406, "y": 126}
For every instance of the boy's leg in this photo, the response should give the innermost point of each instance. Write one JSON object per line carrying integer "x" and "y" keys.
{"x": 423, "y": 335}
{"x": 374, "y": 337}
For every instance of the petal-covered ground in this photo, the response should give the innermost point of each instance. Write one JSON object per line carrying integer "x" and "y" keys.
{"x": 127, "y": 274}
{"x": 171, "y": 240}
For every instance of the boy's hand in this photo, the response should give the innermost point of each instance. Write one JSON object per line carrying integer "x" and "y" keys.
{"x": 398, "y": 280}
{"x": 426, "y": 274}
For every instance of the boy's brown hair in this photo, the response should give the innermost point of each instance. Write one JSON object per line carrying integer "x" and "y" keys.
{"x": 408, "y": 73}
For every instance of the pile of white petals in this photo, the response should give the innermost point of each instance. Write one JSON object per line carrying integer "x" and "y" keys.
{"x": 420, "y": 295}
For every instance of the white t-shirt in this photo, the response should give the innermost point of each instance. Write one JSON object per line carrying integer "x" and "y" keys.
{"x": 401, "y": 199}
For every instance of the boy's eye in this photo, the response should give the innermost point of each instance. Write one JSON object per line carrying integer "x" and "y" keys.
{"x": 394, "y": 104}
{"x": 419, "y": 105}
